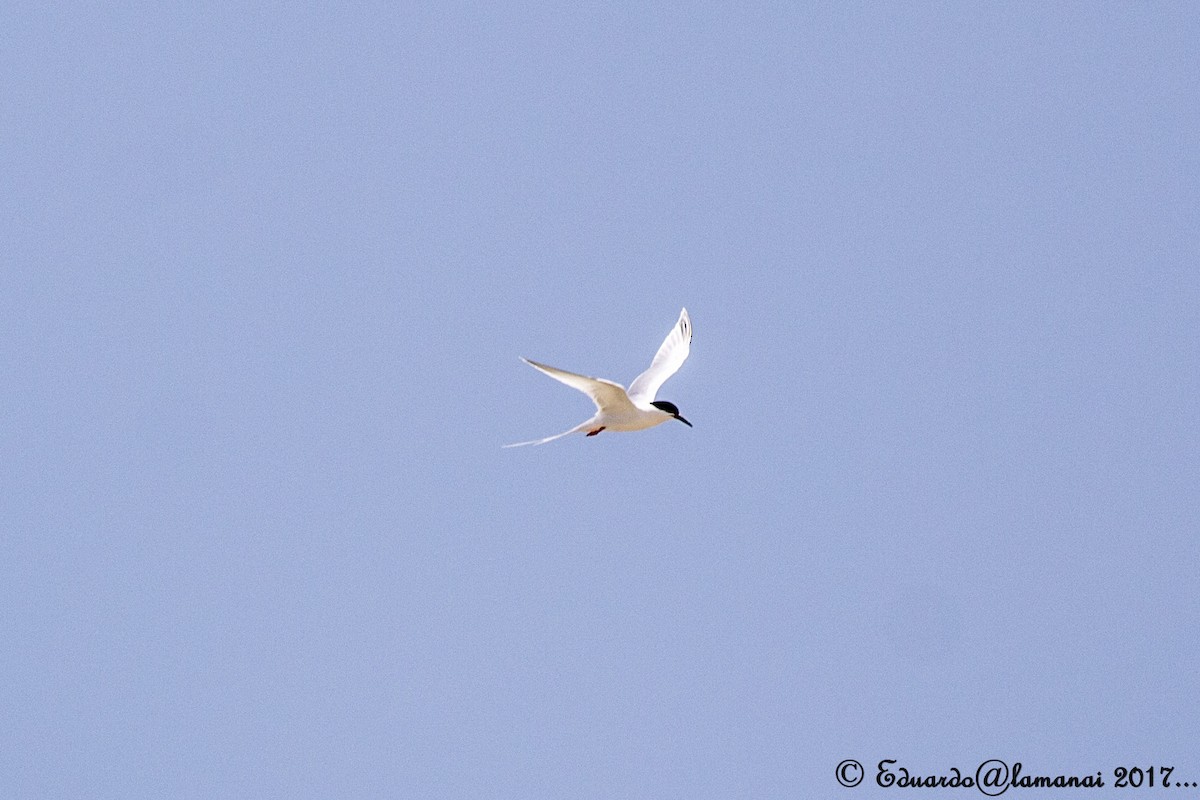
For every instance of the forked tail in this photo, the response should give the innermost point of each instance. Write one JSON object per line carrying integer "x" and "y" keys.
{"x": 579, "y": 427}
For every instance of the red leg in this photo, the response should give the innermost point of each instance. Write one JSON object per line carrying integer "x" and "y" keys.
{"x": 593, "y": 433}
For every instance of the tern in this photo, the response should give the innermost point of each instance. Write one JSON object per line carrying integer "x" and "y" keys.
{"x": 635, "y": 409}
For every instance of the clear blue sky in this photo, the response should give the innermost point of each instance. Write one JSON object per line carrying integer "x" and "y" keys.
{"x": 267, "y": 272}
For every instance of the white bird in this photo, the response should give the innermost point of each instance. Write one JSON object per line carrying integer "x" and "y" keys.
{"x": 636, "y": 409}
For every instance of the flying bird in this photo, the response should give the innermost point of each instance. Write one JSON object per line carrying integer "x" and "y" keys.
{"x": 635, "y": 409}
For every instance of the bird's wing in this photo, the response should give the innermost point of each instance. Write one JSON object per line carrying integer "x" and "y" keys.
{"x": 607, "y": 396}
{"x": 667, "y": 361}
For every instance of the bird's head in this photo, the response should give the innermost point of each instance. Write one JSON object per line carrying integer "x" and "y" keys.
{"x": 670, "y": 408}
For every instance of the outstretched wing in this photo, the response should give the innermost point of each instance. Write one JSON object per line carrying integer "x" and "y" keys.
{"x": 607, "y": 396}
{"x": 667, "y": 361}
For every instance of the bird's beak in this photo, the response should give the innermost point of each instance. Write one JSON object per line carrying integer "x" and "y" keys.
{"x": 684, "y": 421}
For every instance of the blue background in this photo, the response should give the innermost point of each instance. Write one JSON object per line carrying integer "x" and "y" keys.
{"x": 267, "y": 270}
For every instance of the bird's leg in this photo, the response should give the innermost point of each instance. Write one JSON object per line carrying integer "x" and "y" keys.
{"x": 593, "y": 433}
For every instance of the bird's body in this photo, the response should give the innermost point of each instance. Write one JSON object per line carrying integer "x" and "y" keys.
{"x": 635, "y": 409}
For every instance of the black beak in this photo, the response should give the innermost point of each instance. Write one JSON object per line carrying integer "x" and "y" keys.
{"x": 684, "y": 421}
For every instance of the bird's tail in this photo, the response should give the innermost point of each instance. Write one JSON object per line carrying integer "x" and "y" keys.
{"x": 581, "y": 426}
